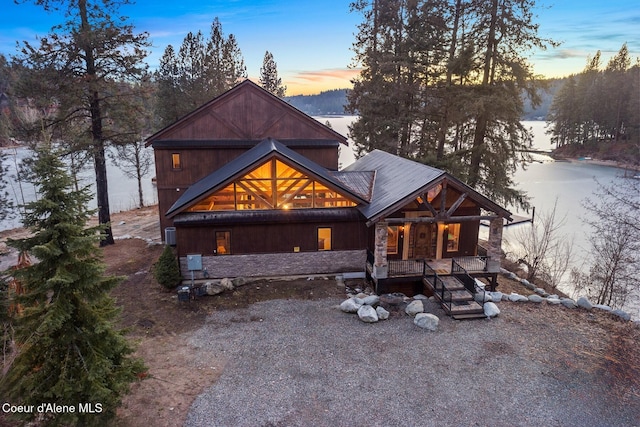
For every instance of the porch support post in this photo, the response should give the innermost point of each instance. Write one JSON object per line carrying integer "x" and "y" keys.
{"x": 494, "y": 251}
{"x": 380, "y": 264}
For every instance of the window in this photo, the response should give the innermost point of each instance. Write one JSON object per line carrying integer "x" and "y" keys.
{"x": 175, "y": 161}
{"x": 223, "y": 242}
{"x": 452, "y": 234}
{"x": 392, "y": 239}
{"x": 324, "y": 239}
{"x": 273, "y": 185}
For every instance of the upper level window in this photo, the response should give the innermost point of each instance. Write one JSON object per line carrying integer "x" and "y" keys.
{"x": 176, "y": 161}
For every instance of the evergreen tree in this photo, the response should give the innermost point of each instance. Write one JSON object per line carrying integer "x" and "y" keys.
{"x": 73, "y": 72}
{"x": 198, "y": 72}
{"x": 442, "y": 82}
{"x": 269, "y": 79}
{"x": 68, "y": 350}
{"x": 167, "y": 271}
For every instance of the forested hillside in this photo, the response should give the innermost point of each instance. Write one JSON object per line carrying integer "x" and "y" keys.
{"x": 333, "y": 102}
{"x": 329, "y": 102}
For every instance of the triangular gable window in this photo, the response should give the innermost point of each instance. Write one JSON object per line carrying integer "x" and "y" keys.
{"x": 273, "y": 185}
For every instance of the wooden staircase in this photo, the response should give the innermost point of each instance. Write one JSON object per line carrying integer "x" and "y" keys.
{"x": 454, "y": 298}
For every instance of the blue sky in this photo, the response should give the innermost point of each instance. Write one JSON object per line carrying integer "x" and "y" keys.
{"x": 311, "y": 41}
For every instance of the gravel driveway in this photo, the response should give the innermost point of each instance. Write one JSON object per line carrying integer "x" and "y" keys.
{"x": 305, "y": 363}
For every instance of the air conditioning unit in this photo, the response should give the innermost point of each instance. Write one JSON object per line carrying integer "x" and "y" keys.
{"x": 170, "y": 236}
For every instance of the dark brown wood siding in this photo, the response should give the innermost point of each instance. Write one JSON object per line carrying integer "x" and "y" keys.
{"x": 270, "y": 238}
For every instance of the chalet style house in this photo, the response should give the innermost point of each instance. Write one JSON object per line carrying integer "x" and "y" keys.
{"x": 249, "y": 186}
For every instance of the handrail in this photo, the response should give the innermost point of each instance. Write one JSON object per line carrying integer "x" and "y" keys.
{"x": 438, "y": 285}
{"x": 469, "y": 282}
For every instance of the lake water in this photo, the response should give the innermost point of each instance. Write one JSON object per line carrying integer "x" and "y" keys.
{"x": 544, "y": 181}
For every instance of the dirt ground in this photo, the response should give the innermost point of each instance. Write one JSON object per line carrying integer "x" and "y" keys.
{"x": 159, "y": 324}
{"x": 178, "y": 372}
{"x": 160, "y": 327}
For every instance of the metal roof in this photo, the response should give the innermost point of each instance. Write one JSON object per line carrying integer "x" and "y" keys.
{"x": 254, "y": 157}
{"x": 396, "y": 178}
{"x": 399, "y": 180}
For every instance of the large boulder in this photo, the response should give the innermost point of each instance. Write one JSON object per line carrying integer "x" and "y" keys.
{"x": 350, "y": 306}
{"x": 426, "y": 321}
{"x": 515, "y": 297}
{"x": 414, "y": 308}
{"x": 372, "y": 300}
{"x": 491, "y": 309}
{"x": 212, "y": 288}
{"x": 622, "y": 314}
{"x": 584, "y": 303}
{"x": 227, "y": 284}
{"x": 535, "y": 298}
{"x": 382, "y": 313}
{"x": 367, "y": 314}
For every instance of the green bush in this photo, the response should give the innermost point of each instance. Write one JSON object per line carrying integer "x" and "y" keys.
{"x": 167, "y": 270}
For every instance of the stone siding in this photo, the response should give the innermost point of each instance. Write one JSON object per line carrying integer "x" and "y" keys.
{"x": 283, "y": 264}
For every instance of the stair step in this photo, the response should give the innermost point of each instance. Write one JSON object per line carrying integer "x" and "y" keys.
{"x": 468, "y": 316}
{"x": 461, "y": 295}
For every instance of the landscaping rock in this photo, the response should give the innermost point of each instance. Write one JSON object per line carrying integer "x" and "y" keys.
{"x": 602, "y": 307}
{"x": 420, "y": 297}
{"x": 350, "y": 306}
{"x": 372, "y": 300}
{"x": 426, "y": 321}
{"x": 553, "y": 301}
{"x": 497, "y": 296}
{"x": 227, "y": 284}
{"x": 367, "y": 314}
{"x": 584, "y": 303}
{"x": 414, "y": 308}
{"x": 517, "y": 297}
{"x": 213, "y": 288}
{"x": 239, "y": 281}
{"x": 539, "y": 291}
{"x": 536, "y": 298}
{"x": 491, "y": 309}
{"x": 568, "y": 302}
{"x": 622, "y": 314}
{"x": 382, "y": 313}
{"x": 483, "y": 297}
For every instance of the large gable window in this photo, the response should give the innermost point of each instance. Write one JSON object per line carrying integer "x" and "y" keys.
{"x": 273, "y": 185}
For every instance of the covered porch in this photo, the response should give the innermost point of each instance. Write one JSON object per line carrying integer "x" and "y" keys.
{"x": 395, "y": 274}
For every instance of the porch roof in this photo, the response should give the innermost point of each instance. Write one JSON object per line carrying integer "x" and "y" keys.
{"x": 399, "y": 180}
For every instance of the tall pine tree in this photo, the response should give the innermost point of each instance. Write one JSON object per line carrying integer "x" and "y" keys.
{"x": 73, "y": 71}
{"x": 199, "y": 71}
{"x": 441, "y": 82}
{"x": 269, "y": 78}
{"x": 68, "y": 351}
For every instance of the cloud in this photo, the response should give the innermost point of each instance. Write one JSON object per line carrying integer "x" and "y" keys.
{"x": 316, "y": 76}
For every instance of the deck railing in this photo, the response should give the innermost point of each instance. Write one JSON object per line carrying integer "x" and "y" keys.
{"x": 469, "y": 282}
{"x": 469, "y": 263}
{"x": 398, "y": 267}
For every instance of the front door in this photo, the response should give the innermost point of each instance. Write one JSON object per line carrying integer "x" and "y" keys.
{"x": 423, "y": 243}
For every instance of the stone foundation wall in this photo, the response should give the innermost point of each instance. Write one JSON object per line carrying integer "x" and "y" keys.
{"x": 283, "y": 264}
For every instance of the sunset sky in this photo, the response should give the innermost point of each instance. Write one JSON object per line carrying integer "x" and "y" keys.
{"x": 311, "y": 41}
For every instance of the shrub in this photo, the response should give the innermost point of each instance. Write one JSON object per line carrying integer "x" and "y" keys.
{"x": 166, "y": 270}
